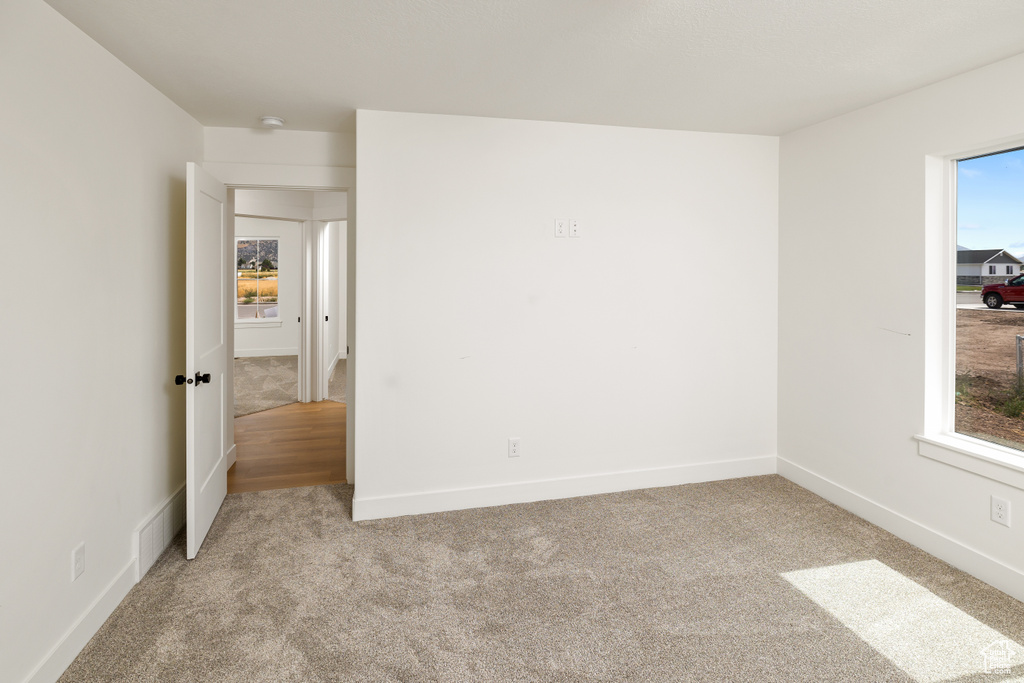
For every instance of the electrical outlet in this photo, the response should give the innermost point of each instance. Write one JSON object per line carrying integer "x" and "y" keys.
{"x": 514, "y": 447}
{"x": 1000, "y": 511}
{"x": 77, "y": 561}
{"x": 561, "y": 227}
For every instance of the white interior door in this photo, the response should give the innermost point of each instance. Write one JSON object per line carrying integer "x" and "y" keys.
{"x": 209, "y": 236}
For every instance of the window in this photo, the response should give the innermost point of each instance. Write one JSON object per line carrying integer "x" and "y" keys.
{"x": 989, "y": 380}
{"x": 256, "y": 279}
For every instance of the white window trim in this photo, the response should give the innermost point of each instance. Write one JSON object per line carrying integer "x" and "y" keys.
{"x": 257, "y": 322}
{"x": 938, "y": 441}
{"x": 241, "y": 324}
{"x": 974, "y": 455}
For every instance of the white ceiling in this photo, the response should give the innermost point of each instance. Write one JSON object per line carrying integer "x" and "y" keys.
{"x": 750, "y": 66}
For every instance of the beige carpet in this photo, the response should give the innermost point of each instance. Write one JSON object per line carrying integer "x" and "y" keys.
{"x": 337, "y": 385}
{"x": 674, "y": 584}
{"x": 265, "y": 382}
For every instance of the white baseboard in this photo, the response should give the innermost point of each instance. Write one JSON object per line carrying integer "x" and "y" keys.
{"x": 548, "y": 489}
{"x": 157, "y": 531}
{"x": 67, "y": 648}
{"x": 232, "y": 455}
{"x": 254, "y": 353}
{"x": 963, "y": 557}
{"x": 334, "y": 363}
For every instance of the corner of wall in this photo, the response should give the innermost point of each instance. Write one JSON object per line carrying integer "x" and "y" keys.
{"x": 947, "y": 549}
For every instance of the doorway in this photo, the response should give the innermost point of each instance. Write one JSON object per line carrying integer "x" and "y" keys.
{"x": 290, "y": 350}
{"x": 268, "y": 302}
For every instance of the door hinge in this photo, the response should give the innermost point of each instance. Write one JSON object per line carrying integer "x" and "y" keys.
{"x": 346, "y": 350}
{"x": 327, "y": 318}
{"x": 300, "y": 319}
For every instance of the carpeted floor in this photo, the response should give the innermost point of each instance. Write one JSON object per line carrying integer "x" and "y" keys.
{"x": 266, "y": 382}
{"x": 687, "y": 583}
{"x": 338, "y": 384}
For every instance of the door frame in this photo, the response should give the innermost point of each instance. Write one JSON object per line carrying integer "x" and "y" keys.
{"x": 239, "y": 176}
{"x": 322, "y": 295}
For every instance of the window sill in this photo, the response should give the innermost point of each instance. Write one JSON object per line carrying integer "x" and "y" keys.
{"x": 239, "y": 325}
{"x": 989, "y": 460}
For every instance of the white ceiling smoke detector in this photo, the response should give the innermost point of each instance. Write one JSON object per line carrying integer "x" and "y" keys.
{"x": 272, "y": 121}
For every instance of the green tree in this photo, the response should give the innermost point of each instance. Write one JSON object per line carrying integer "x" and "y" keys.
{"x": 241, "y": 261}
{"x": 266, "y": 265}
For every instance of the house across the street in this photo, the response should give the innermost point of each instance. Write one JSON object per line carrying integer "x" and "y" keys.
{"x": 985, "y": 266}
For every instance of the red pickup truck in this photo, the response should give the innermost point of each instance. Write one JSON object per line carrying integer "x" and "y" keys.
{"x": 1010, "y": 292}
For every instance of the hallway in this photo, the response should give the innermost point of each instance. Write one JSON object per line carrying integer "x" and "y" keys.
{"x": 301, "y": 444}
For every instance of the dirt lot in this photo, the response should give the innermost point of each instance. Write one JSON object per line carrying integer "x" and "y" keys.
{"x": 986, "y": 374}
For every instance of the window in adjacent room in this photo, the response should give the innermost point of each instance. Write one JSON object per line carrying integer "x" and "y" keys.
{"x": 256, "y": 279}
{"x": 989, "y": 400}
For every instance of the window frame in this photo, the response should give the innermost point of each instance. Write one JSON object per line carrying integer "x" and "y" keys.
{"x": 242, "y": 323}
{"x": 938, "y": 439}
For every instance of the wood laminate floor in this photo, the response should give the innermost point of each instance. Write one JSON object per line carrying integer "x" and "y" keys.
{"x": 302, "y": 444}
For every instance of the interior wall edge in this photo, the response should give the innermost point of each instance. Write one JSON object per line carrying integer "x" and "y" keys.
{"x": 949, "y": 550}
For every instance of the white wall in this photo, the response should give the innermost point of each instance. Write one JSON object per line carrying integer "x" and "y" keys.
{"x": 298, "y": 205}
{"x": 280, "y": 337}
{"x": 92, "y": 184}
{"x": 279, "y": 147}
{"x": 852, "y": 366}
{"x": 618, "y": 358}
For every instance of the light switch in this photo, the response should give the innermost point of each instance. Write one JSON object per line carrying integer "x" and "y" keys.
{"x": 574, "y": 227}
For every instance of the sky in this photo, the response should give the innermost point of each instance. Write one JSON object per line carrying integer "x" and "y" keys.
{"x": 990, "y": 202}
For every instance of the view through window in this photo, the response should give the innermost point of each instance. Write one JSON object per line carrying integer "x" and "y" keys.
{"x": 256, "y": 279}
{"x": 990, "y": 298}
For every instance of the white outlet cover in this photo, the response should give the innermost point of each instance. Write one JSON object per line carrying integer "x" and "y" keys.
{"x": 574, "y": 227}
{"x": 1000, "y": 511}
{"x": 561, "y": 227}
{"x": 78, "y": 561}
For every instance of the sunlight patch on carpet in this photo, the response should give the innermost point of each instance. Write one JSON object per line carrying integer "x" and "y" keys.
{"x": 922, "y": 634}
